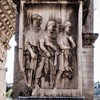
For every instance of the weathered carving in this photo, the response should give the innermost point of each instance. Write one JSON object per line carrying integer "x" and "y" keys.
{"x": 48, "y": 53}
{"x": 64, "y": 39}
{"x": 7, "y": 29}
{"x": 3, "y": 55}
{"x": 89, "y": 39}
{"x": 46, "y": 63}
{"x": 31, "y": 51}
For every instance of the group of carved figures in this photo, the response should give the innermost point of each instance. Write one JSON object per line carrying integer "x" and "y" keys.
{"x": 48, "y": 53}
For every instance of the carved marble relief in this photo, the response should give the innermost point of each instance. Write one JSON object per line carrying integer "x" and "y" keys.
{"x": 49, "y": 48}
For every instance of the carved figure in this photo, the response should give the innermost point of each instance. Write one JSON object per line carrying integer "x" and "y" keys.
{"x": 59, "y": 25}
{"x": 44, "y": 44}
{"x": 31, "y": 50}
{"x": 63, "y": 40}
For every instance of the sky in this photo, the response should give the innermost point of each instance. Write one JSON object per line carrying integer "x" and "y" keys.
{"x": 97, "y": 43}
{"x": 10, "y": 56}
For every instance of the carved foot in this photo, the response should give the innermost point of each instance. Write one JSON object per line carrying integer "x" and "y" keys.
{"x": 29, "y": 85}
{"x": 55, "y": 91}
{"x": 55, "y": 87}
{"x": 35, "y": 91}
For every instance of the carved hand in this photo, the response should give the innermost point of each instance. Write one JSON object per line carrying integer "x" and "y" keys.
{"x": 73, "y": 45}
{"x": 57, "y": 53}
{"x": 47, "y": 54}
{"x": 55, "y": 48}
{"x": 33, "y": 55}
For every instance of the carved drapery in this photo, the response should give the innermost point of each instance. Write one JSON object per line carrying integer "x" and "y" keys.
{"x": 49, "y": 11}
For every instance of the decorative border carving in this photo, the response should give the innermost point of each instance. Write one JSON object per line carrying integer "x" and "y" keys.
{"x": 89, "y": 39}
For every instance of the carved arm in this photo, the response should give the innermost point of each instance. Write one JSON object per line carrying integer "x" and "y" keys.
{"x": 72, "y": 41}
{"x": 51, "y": 45}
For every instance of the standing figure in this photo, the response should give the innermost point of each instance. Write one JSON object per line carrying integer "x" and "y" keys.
{"x": 31, "y": 49}
{"x": 44, "y": 44}
{"x": 65, "y": 43}
{"x": 59, "y": 25}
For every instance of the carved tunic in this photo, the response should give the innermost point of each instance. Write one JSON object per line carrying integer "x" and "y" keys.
{"x": 31, "y": 38}
{"x": 62, "y": 40}
{"x": 31, "y": 41}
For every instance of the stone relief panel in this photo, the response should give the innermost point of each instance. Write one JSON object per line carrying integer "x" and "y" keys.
{"x": 50, "y": 47}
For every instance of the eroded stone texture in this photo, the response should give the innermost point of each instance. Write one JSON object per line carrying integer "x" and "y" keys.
{"x": 88, "y": 65}
{"x": 89, "y": 11}
{"x": 80, "y": 80}
{"x": 51, "y": 98}
{"x": 47, "y": 77}
{"x": 7, "y": 29}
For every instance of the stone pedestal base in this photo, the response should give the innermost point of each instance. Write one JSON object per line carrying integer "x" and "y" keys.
{"x": 51, "y": 98}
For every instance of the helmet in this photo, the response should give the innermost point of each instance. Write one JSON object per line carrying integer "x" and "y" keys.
{"x": 50, "y": 22}
{"x": 36, "y": 16}
{"x": 67, "y": 23}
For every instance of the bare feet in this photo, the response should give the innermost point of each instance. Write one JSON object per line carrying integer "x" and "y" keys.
{"x": 35, "y": 91}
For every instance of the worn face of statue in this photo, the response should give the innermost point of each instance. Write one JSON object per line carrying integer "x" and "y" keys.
{"x": 68, "y": 29}
{"x": 51, "y": 26}
{"x": 67, "y": 26}
{"x": 36, "y": 20}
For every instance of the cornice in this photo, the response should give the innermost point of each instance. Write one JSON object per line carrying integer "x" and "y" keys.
{"x": 89, "y": 39}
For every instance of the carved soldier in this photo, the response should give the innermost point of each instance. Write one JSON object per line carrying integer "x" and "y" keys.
{"x": 65, "y": 43}
{"x": 44, "y": 44}
{"x": 31, "y": 50}
{"x": 59, "y": 25}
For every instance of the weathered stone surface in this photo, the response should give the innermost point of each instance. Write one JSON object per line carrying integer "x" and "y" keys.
{"x": 7, "y": 29}
{"x": 51, "y": 98}
{"x": 86, "y": 76}
{"x": 2, "y": 85}
{"x": 89, "y": 39}
{"x": 74, "y": 82}
{"x": 88, "y": 65}
{"x": 88, "y": 24}
{"x": 88, "y": 72}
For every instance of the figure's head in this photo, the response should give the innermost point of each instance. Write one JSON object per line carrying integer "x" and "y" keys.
{"x": 51, "y": 25}
{"x": 36, "y": 20}
{"x": 59, "y": 24}
{"x": 67, "y": 26}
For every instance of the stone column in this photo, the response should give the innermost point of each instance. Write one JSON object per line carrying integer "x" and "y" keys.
{"x": 88, "y": 65}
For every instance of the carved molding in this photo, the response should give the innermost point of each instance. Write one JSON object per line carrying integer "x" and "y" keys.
{"x": 85, "y": 6}
{"x": 89, "y": 39}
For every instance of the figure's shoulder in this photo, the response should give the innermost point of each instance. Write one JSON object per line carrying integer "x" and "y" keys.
{"x": 42, "y": 34}
{"x": 68, "y": 36}
{"x": 59, "y": 35}
{"x": 59, "y": 38}
{"x": 26, "y": 33}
